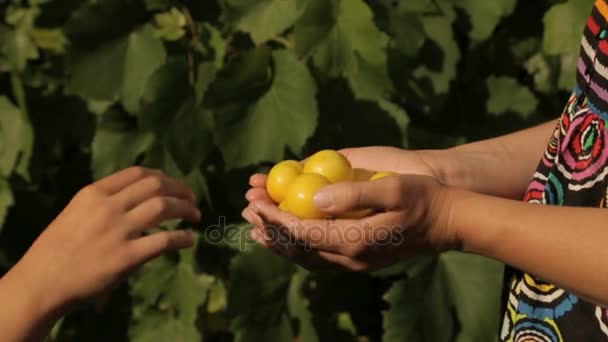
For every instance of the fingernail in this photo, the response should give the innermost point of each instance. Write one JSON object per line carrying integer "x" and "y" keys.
{"x": 323, "y": 199}
{"x": 246, "y": 215}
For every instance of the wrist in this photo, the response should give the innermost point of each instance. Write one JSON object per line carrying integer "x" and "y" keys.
{"x": 439, "y": 220}
{"x": 442, "y": 166}
{"x": 475, "y": 220}
{"x": 38, "y": 299}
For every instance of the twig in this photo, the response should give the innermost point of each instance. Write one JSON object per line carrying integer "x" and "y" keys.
{"x": 191, "y": 45}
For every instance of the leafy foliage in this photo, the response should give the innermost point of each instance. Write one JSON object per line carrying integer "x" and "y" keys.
{"x": 211, "y": 91}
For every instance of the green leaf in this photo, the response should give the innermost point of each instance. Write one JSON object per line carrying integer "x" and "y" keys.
{"x": 92, "y": 23}
{"x": 159, "y": 326}
{"x": 401, "y": 322}
{"x": 117, "y": 69}
{"x": 258, "y": 310}
{"x": 16, "y": 138}
{"x": 459, "y": 293}
{"x": 568, "y": 70}
{"x": 408, "y": 31}
{"x": 539, "y": 67}
{"x": 506, "y": 94}
{"x": 440, "y": 67}
{"x": 117, "y": 144}
{"x": 218, "y": 300}
{"x": 263, "y": 19}
{"x": 559, "y": 21}
{"x": 189, "y": 138}
{"x": 21, "y": 17}
{"x": 168, "y": 296}
{"x": 170, "y": 25}
{"x": 344, "y": 41}
{"x": 6, "y": 200}
{"x": 164, "y": 93}
{"x": 285, "y": 116}
{"x": 207, "y": 73}
{"x": 52, "y": 40}
{"x": 485, "y": 15}
{"x": 409, "y": 267}
{"x": 17, "y": 47}
{"x": 298, "y": 306}
{"x": 213, "y": 46}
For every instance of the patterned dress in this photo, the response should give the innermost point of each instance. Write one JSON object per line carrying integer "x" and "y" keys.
{"x": 573, "y": 172}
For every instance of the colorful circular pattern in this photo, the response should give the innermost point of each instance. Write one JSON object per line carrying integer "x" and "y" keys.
{"x": 541, "y": 300}
{"x": 584, "y": 152}
{"x": 534, "y": 330}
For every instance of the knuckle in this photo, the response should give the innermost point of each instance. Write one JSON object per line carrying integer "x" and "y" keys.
{"x": 167, "y": 241}
{"x": 91, "y": 191}
{"x": 138, "y": 171}
{"x": 160, "y": 206}
{"x": 156, "y": 183}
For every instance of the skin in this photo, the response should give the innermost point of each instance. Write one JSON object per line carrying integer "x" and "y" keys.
{"x": 435, "y": 206}
{"x": 91, "y": 246}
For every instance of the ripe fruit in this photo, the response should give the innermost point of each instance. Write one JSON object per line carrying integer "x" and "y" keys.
{"x": 362, "y": 175}
{"x": 283, "y": 206}
{"x": 330, "y": 164}
{"x": 380, "y": 175}
{"x": 299, "y": 200}
{"x": 280, "y": 177}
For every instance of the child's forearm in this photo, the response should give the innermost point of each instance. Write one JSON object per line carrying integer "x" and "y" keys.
{"x": 562, "y": 245}
{"x": 28, "y": 312}
{"x": 500, "y": 167}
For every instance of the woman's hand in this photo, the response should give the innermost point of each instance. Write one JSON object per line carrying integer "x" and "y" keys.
{"x": 411, "y": 218}
{"x": 377, "y": 158}
{"x": 97, "y": 240}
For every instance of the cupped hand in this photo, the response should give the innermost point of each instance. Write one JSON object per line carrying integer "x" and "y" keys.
{"x": 377, "y": 158}
{"x": 411, "y": 216}
{"x": 101, "y": 236}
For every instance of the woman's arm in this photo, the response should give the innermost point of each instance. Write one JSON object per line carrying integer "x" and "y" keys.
{"x": 500, "y": 166}
{"x": 562, "y": 245}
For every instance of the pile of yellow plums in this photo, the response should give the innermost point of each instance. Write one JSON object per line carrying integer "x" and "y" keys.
{"x": 292, "y": 184}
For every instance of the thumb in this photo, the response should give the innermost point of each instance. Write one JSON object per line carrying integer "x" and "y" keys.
{"x": 351, "y": 196}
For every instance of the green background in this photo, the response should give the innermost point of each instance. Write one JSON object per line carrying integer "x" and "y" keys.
{"x": 214, "y": 90}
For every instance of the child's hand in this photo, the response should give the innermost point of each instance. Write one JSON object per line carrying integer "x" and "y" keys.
{"x": 99, "y": 237}
{"x": 412, "y": 214}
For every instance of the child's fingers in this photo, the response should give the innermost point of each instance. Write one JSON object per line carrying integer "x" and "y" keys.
{"x": 154, "y": 211}
{"x": 151, "y": 246}
{"x": 257, "y": 194}
{"x": 258, "y": 180}
{"x": 153, "y": 186}
{"x": 118, "y": 181}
